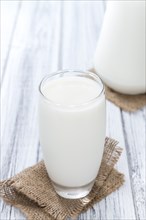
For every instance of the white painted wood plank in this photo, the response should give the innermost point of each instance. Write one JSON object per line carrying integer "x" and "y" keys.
{"x": 135, "y": 139}
{"x": 124, "y": 195}
{"x": 9, "y": 16}
{"x": 34, "y": 53}
{"x": 80, "y": 18}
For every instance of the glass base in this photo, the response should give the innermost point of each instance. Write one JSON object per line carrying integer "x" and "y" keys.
{"x": 73, "y": 192}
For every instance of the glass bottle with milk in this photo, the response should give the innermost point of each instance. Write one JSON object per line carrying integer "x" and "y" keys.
{"x": 120, "y": 53}
{"x": 72, "y": 130}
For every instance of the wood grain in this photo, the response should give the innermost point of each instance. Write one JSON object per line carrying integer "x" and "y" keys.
{"x": 41, "y": 37}
{"x": 9, "y": 17}
{"x": 135, "y": 141}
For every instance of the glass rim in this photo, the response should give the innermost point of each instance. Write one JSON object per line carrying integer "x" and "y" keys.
{"x": 93, "y": 75}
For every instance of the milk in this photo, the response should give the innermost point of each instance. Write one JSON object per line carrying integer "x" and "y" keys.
{"x": 120, "y": 52}
{"x": 72, "y": 129}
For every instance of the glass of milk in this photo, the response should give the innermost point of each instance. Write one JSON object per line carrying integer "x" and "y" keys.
{"x": 72, "y": 130}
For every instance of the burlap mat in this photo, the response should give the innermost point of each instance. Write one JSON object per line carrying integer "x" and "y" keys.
{"x": 129, "y": 103}
{"x": 31, "y": 190}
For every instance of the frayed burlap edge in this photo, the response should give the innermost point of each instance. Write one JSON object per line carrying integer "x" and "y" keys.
{"x": 129, "y": 103}
{"x": 36, "y": 213}
{"x": 18, "y": 194}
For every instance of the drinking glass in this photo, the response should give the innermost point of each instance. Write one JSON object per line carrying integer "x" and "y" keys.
{"x": 72, "y": 130}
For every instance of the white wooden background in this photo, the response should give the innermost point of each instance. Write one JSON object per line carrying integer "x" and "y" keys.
{"x": 39, "y": 37}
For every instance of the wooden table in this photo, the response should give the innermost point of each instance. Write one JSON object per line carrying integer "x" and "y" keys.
{"x": 40, "y": 37}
